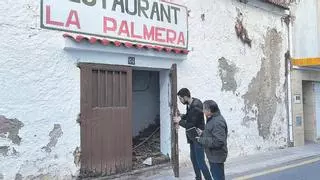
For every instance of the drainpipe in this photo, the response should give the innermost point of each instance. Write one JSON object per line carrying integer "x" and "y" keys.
{"x": 288, "y": 21}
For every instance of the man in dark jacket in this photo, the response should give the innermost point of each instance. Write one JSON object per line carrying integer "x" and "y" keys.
{"x": 194, "y": 118}
{"x": 214, "y": 139}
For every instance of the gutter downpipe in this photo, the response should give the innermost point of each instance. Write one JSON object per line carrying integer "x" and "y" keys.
{"x": 288, "y": 20}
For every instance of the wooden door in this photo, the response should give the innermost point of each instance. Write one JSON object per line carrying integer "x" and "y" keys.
{"x": 106, "y": 127}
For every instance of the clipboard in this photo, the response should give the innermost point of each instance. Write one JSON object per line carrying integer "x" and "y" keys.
{"x": 192, "y": 133}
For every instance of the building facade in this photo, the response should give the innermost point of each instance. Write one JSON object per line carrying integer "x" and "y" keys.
{"x": 236, "y": 56}
{"x": 305, "y": 72}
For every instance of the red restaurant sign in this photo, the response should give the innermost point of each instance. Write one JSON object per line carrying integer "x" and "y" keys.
{"x": 153, "y": 22}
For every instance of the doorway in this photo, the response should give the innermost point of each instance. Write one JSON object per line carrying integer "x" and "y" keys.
{"x": 311, "y": 111}
{"x": 146, "y": 119}
{"x": 122, "y": 111}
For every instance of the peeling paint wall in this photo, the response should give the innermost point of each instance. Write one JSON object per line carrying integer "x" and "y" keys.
{"x": 18, "y": 177}
{"x": 247, "y": 82}
{"x": 261, "y": 98}
{"x": 40, "y": 86}
{"x": 40, "y": 97}
{"x": 9, "y": 128}
{"x": 54, "y": 135}
{"x": 4, "y": 150}
{"x": 227, "y": 72}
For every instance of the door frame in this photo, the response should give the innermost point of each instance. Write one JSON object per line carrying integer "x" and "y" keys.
{"x": 174, "y": 130}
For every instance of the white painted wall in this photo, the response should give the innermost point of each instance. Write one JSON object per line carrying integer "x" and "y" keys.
{"x": 165, "y": 130}
{"x": 41, "y": 84}
{"x": 306, "y": 29}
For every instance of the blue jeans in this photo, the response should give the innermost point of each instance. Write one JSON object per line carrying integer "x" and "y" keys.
{"x": 198, "y": 162}
{"x": 217, "y": 171}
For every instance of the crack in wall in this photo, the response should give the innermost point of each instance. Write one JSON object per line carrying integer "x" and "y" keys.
{"x": 261, "y": 100}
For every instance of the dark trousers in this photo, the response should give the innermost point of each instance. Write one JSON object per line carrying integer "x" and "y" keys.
{"x": 198, "y": 162}
{"x": 217, "y": 171}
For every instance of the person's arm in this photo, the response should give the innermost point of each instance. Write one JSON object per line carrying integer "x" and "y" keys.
{"x": 183, "y": 121}
{"x": 180, "y": 119}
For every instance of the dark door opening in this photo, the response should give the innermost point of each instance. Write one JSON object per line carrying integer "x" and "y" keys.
{"x": 146, "y": 119}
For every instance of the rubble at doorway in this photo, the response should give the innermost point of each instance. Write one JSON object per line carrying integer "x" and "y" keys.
{"x": 146, "y": 148}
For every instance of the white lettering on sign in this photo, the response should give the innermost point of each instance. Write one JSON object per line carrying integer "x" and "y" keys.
{"x": 146, "y": 21}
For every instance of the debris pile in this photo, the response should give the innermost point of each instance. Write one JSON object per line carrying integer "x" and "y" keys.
{"x": 146, "y": 149}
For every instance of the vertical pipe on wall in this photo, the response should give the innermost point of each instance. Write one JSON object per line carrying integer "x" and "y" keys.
{"x": 288, "y": 21}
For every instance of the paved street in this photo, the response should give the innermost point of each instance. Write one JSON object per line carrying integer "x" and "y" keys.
{"x": 306, "y": 170}
{"x": 301, "y": 163}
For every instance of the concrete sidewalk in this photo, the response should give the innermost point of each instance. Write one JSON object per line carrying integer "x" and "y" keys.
{"x": 234, "y": 167}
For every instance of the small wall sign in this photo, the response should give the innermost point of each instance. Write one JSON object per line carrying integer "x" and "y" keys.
{"x": 131, "y": 60}
{"x": 297, "y": 99}
{"x": 298, "y": 121}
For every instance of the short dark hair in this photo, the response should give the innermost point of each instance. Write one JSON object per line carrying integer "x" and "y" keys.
{"x": 184, "y": 92}
{"x": 211, "y": 105}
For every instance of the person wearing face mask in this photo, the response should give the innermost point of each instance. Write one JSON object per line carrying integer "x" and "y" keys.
{"x": 214, "y": 139}
{"x": 193, "y": 119}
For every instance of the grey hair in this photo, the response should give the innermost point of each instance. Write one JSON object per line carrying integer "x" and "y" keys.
{"x": 211, "y": 105}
